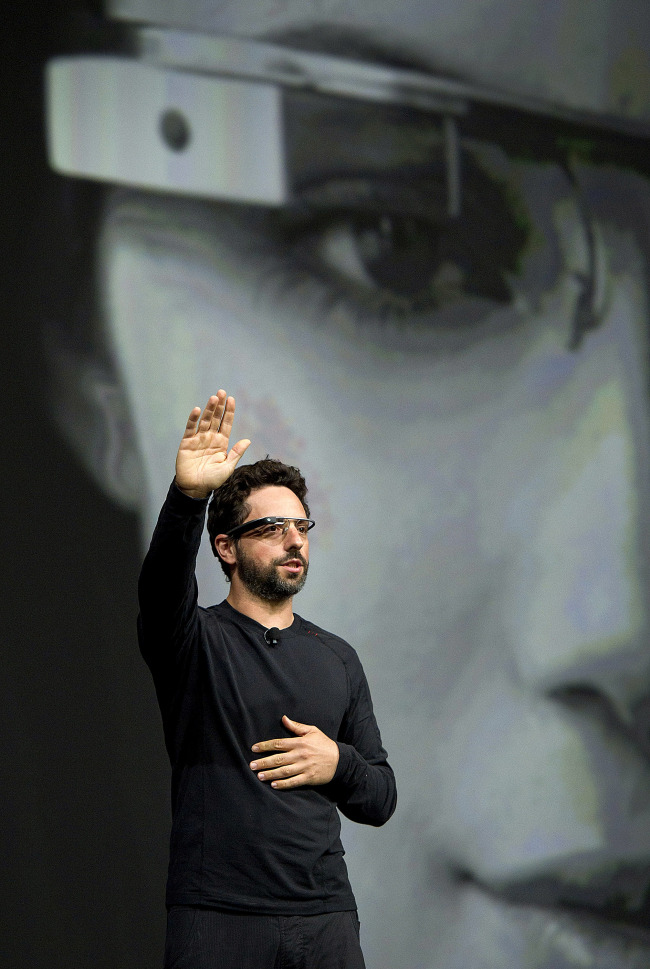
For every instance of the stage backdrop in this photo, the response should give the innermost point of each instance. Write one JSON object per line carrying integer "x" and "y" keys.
{"x": 422, "y": 272}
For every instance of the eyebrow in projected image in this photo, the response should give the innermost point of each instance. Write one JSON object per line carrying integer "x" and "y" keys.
{"x": 434, "y": 299}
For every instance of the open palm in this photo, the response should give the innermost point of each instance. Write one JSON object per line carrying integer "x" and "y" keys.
{"x": 203, "y": 461}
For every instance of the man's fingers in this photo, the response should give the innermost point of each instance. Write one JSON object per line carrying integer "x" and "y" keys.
{"x": 275, "y": 760}
{"x": 285, "y": 772}
{"x": 190, "y": 427}
{"x": 281, "y": 773}
{"x": 226, "y": 416}
{"x": 211, "y": 415}
{"x": 300, "y": 780}
{"x": 279, "y": 743}
{"x": 212, "y": 412}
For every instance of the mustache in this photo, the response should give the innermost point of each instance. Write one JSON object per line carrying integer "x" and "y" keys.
{"x": 292, "y": 558}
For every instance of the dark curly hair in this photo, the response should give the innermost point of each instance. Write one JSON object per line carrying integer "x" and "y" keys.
{"x": 229, "y": 505}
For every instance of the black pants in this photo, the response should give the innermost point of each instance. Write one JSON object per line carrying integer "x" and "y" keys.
{"x": 203, "y": 938}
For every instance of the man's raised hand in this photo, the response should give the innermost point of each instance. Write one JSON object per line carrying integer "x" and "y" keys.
{"x": 203, "y": 461}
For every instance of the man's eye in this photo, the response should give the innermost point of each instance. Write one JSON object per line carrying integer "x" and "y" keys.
{"x": 406, "y": 261}
{"x": 302, "y": 528}
{"x": 268, "y": 531}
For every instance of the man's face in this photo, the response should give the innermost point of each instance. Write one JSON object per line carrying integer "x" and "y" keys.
{"x": 269, "y": 567}
{"x": 482, "y": 494}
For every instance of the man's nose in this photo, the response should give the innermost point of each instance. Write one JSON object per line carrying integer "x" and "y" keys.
{"x": 293, "y": 538}
{"x": 582, "y": 600}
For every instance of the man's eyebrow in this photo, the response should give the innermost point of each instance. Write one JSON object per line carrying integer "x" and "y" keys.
{"x": 350, "y": 43}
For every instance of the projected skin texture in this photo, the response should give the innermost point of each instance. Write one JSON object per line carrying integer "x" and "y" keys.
{"x": 481, "y": 491}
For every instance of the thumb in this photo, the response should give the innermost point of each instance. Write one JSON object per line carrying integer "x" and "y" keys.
{"x": 299, "y": 728}
{"x": 238, "y": 449}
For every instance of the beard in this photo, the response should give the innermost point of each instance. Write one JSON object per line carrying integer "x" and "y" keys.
{"x": 264, "y": 582}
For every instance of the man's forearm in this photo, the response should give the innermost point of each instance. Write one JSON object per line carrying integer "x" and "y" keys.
{"x": 364, "y": 792}
{"x": 167, "y": 587}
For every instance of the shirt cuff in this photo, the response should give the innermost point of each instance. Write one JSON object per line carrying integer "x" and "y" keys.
{"x": 350, "y": 761}
{"x": 181, "y": 500}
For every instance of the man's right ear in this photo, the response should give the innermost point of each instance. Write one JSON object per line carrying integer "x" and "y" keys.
{"x": 225, "y": 548}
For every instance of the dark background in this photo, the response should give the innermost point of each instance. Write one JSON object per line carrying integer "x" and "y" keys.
{"x": 85, "y": 773}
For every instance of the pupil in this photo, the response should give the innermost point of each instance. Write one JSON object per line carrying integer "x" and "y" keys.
{"x": 399, "y": 253}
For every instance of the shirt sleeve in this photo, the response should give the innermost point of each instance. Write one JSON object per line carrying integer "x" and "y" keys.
{"x": 167, "y": 589}
{"x": 364, "y": 785}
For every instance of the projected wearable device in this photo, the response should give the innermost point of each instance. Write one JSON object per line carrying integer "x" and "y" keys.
{"x": 245, "y": 121}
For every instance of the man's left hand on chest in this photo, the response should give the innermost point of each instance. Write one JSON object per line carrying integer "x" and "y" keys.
{"x": 309, "y": 758}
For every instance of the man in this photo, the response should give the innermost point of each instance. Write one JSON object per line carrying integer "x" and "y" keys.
{"x": 268, "y": 721}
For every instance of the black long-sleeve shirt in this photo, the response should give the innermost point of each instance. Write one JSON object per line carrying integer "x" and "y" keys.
{"x": 237, "y": 843}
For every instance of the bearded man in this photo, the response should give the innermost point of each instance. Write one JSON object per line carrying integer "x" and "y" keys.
{"x": 268, "y": 721}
